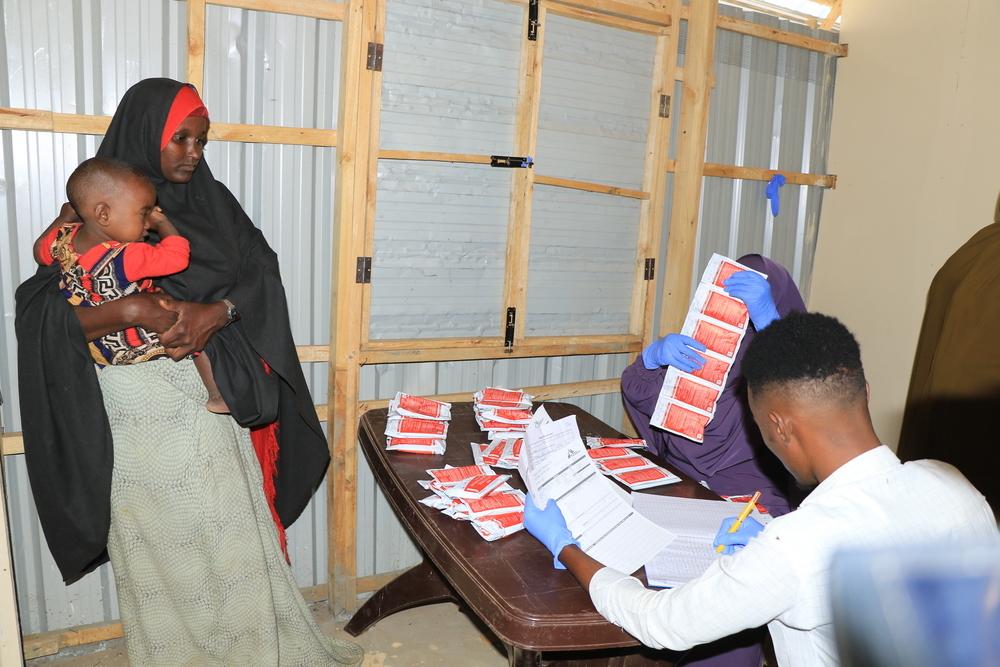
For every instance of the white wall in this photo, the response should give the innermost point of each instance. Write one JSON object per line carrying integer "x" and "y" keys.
{"x": 915, "y": 145}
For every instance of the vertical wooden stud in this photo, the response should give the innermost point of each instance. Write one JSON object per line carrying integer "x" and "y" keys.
{"x": 654, "y": 181}
{"x": 698, "y": 73}
{"x": 196, "y": 43}
{"x": 515, "y": 289}
{"x": 10, "y": 630}
{"x": 351, "y": 204}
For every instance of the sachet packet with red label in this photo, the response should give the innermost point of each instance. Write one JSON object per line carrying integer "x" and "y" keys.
{"x": 644, "y": 478}
{"x": 498, "y": 397}
{"x": 634, "y": 443}
{"x": 414, "y": 427}
{"x": 500, "y": 525}
{"x": 407, "y": 405}
{"x": 416, "y": 445}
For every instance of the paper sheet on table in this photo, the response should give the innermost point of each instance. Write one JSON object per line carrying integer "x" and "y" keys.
{"x": 694, "y": 523}
{"x": 554, "y": 465}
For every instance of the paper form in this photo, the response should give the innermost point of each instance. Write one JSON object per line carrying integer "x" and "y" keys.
{"x": 694, "y": 524}
{"x": 554, "y": 465}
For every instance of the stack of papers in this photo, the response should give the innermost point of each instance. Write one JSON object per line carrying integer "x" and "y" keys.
{"x": 632, "y": 470}
{"x": 687, "y": 401}
{"x": 634, "y": 443}
{"x": 477, "y": 494}
{"x": 692, "y": 524}
{"x": 555, "y": 466}
{"x": 502, "y": 413}
{"x": 417, "y": 425}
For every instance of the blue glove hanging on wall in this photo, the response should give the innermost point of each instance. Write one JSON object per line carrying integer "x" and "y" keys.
{"x": 772, "y": 192}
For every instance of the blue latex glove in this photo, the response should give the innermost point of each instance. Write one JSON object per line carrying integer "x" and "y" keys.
{"x": 736, "y": 541}
{"x": 753, "y": 290}
{"x": 771, "y": 192}
{"x": 675, "y": 350}
{"x": 549, "y": 527}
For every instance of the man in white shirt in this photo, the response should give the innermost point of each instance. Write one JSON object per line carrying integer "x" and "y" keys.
{"x": 808, "y": 395}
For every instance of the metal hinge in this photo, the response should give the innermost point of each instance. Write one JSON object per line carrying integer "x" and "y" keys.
{"x": 664, "y": 106}
{"x": 364, "y": 272}
{"x": 375, "y": 56}
{"x": 508, "y": 335}
{"x": 650, "y": 272}
{"x": 532, "y": 20}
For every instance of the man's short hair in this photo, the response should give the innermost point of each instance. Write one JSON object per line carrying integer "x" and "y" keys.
{"x": 811, "y": 354}
{"x": 98, "y": 173}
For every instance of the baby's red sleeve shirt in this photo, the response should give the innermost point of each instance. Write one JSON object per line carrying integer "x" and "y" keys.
{"x": 144, "y": 260}
{"x": 45, "y": 246}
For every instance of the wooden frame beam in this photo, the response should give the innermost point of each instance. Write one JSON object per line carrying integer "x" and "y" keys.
{"x": 515, "y": 288}
{"x": 692, "y": 134}
{"x": 317, "y": 9}
{"x": 782, "y": 36}
{"x": 12, "y": 118}
{"x": 360, "y": 95}
{"x": 763, "y": 174}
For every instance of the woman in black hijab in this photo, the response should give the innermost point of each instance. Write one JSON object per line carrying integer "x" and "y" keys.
{"x": 193, "y": 527}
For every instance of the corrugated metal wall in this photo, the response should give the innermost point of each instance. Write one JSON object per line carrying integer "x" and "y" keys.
{"x": 449, "y": 85}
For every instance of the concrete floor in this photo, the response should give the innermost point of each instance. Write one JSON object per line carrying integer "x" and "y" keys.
{"x": 437, "y": 634}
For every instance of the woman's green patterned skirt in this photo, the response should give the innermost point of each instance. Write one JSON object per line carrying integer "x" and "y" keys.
{"x": 201, "y": 578}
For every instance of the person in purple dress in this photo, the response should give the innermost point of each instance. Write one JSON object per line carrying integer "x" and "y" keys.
{"x": 732, "y": 460}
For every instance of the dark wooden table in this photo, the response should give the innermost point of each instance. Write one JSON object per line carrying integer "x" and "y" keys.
{"x": 540, "y": 614}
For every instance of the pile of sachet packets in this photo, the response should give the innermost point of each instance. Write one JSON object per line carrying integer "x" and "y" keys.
{"x": 504, "y": 414}
{"x": 477, "y": 494}
{"x": 614, "y": 457}
{"x": 417, "y": 425}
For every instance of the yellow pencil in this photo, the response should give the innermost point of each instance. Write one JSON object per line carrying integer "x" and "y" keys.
{"x": 741, "y": 518}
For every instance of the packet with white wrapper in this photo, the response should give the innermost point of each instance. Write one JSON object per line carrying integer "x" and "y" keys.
{"x": 624, "y": 463}
{"x": 609, "y": 453}
{"x": 451, "y": 474}
{"x": 719, "y": 337}
{"x": 644, "y": 478}
{"x": 715, "y": 303}
{"x": 501, "y": 525}
{"x": 407, "y": 405}
{"x": 502, "y": 453}
{"x": 505, "y": 416}
{"x": 720, "y": 267}
{"x": 416, "y": 445}
{"x": 691, "y": 390}
{"x": 498, "y": 397}
{"x": 635, "y": 443}
{"x": 681, "y": 419}
{"x": 413, "y": 427}
{"x": 473, "y": 487}
{"x": 494, "y": 504}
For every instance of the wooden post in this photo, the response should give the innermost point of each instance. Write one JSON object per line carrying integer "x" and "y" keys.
{"x": 654, "y": 182}
{"x": 10, "y": 628}
{"x": 196, "y": 44}
{"x": 515, "y": 289}
{"x": 681, "y": 240}
{"x": 358, "y": 84}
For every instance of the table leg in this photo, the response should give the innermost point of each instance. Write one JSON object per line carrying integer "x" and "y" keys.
{"x": 519, "y": 657}
{"x": 417, "y": 586}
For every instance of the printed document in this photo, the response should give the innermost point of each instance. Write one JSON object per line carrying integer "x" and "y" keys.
{"x": 554, "y": 465}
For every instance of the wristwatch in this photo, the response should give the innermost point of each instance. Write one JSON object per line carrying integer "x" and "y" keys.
{"x": 231, "y": 313}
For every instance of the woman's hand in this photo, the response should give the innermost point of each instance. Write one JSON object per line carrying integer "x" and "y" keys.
{"x": 195, "y": 325}
{"x": 138, "y": 310}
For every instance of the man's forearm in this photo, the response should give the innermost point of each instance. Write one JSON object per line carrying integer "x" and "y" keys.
{"x": 580, "y": 564}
